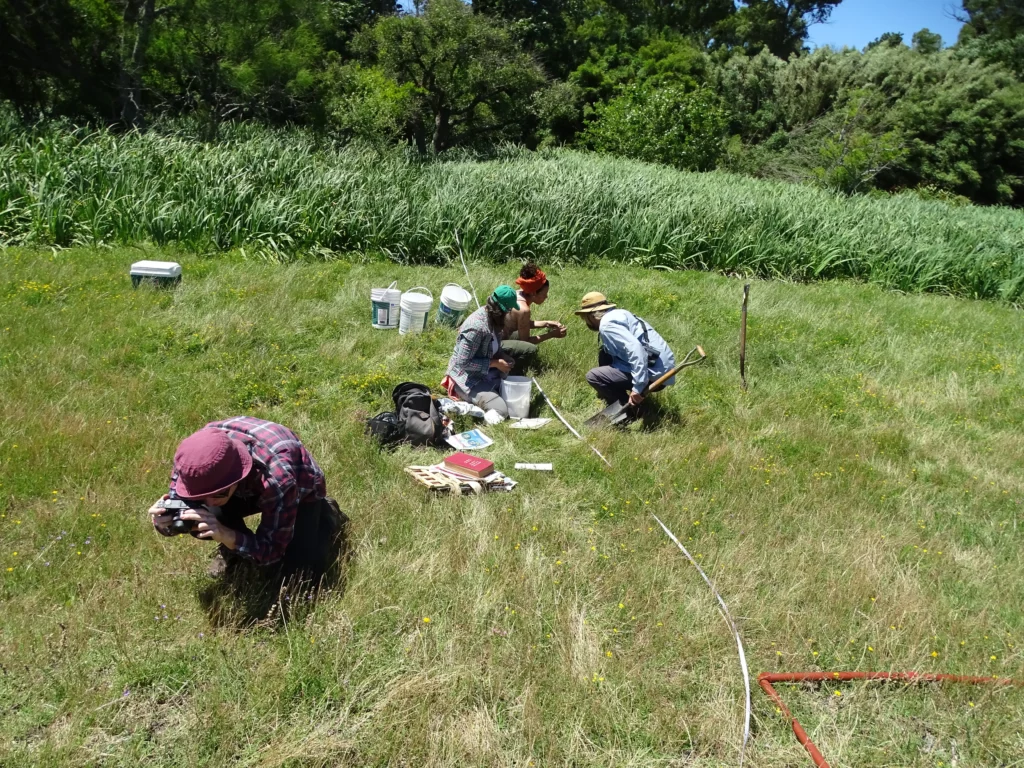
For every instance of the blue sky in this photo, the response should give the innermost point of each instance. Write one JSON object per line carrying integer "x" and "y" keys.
{"x": 856, "y": 23}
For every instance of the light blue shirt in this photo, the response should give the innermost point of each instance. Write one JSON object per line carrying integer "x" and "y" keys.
{"x": 621, "y": 333}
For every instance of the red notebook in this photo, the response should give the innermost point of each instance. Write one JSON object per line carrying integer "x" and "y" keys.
{"x": 464, "y": 464}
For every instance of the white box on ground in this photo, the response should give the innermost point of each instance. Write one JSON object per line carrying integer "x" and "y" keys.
{"x": 160, "y": 272}
{"x": 538, "y": 467}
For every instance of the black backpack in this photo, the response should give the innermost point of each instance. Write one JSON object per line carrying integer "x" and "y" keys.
{"x": 386, "y": 429}
{"x": 415, "y": 419}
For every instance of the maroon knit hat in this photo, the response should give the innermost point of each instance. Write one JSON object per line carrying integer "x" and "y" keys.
{"x": 209, "y": 462}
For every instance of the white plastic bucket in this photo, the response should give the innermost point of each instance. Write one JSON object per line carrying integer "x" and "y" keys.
{"x": 516, "y": 392}
{"x": 453, "y": 305}
{"x": 415, "y": 310}
{"x": 384, "y": 306}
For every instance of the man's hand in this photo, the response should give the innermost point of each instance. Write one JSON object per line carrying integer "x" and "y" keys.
{"x": 557, "y": 331}
{"x": 502, "y": 365}
{"x": 161, "y": 517}
{"x": 209, "y": 527}
{"x": 635, "y": 398}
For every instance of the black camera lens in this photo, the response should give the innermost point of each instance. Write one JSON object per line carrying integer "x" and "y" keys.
{"x": 178, "y": 526}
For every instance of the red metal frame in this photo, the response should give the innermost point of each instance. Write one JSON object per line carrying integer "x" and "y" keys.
{"x": 765, "y": 680}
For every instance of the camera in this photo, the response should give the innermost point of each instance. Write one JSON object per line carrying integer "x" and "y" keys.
{"x": 177, "y": 526}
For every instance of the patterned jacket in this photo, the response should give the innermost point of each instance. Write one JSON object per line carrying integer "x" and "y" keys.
{"x": 283, "y": 476}
{"x": 474, "y": 349}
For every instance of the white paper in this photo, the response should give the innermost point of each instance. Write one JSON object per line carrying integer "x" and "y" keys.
{"x": 538, "y": 467}
{"x": 473, "y": 440}
{"x": 530, "y": 423}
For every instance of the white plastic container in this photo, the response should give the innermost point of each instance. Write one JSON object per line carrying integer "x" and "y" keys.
{"x": 384, "y": 306}
{"x": 162, "y": 273}
{"x": 453, "y": 305}
{"x": 415, "y": 309}
{"x": 516, "y": 391}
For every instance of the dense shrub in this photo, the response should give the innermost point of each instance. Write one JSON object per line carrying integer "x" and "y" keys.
{"x": 668, "y": 125}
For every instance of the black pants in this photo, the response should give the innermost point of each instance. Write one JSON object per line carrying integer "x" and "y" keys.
{"x": 522, "y": 353}
{"x": 316, "y": 542}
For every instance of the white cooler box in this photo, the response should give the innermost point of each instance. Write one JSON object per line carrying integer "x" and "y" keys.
{"x": 162, "y": 273}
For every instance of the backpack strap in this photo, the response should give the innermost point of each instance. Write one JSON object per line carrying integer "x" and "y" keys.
{"x": 653, "y": 355}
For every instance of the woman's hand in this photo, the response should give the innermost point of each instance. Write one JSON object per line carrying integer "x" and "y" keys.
{"x": 557, "y": 331}
{"x": 209, "y": 527}
{"x": 161, "y": 517}
{"x": 502, "y": 365}
{"x": 635, "y": 398}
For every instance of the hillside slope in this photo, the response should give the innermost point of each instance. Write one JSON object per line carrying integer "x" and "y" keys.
{"x": 858, "y": 508}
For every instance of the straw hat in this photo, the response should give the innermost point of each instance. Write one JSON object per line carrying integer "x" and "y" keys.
{"x": 594, "y": 302}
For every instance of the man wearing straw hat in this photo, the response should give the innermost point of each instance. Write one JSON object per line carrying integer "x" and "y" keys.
{"x": 632, "y": 353}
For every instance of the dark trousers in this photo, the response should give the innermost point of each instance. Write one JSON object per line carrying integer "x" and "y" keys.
{"x": 523, "y": 353}
{"x": 315, "y": 545}
{"x": 611, "y": 384}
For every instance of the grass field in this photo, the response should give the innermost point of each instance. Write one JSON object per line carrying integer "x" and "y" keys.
{"x": 278, "y": 194}
{"x": 859, "y": 508}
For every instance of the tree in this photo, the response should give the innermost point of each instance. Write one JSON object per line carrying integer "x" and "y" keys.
{"x": 747, "y": 84}
{"x": 778, "y": 25}
{"x": 667, "y": 125}
{"x": 136, "y": 32}
{"x": 272, "y": 60}
{"x": 888, "y": 39}
{"x": 850, "y": 154}
{"x": 542, "y": 27}
{"x": 56, "y": 60}
{"x": 472, "y": 80}
{"x": 1002, "y": 19}
{"x": 994, "y": 31}
{"x": 559, "y": 112}
{"x": 925, "y": 41}
{"x": 666, "y": 61}
{"x": 367, "y": 105}
{"x": 959, "y": 121}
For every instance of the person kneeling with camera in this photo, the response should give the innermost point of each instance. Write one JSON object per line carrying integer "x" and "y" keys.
{"x": 232, "y": 469}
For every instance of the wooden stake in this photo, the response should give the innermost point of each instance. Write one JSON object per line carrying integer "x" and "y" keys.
{"x": 743, "y": 336}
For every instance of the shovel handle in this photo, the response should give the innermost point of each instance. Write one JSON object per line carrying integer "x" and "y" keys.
{"x": 687, "y": 362}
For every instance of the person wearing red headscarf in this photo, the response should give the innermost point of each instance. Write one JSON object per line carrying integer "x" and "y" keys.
{"x": 519, "y": 339}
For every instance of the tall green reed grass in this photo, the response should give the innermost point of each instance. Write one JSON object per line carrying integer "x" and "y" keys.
{"x": 284, "y": 194}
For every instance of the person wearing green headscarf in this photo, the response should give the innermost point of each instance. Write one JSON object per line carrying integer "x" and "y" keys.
{"x": 477, "y": 366}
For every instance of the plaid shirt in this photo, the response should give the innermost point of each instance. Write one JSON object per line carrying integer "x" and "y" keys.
{"x": 474, "y": 348}
{"x": 283, "y": 476}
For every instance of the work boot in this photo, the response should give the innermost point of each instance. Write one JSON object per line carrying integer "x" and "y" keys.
{"x": 222, "y": 562}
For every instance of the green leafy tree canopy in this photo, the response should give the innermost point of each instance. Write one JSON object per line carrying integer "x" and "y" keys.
{"x": 472, "y": 79}
{"x": 669, "y": 125}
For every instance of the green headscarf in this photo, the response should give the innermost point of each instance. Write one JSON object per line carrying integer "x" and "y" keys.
{"x": 505, "y": 297}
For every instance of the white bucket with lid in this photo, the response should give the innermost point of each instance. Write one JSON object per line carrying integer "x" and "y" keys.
{"x": 415, "y": 308}
{"x": 453, "y": 305}
{"x": 516, "y": 391}
{"x": 384, "y": 306}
